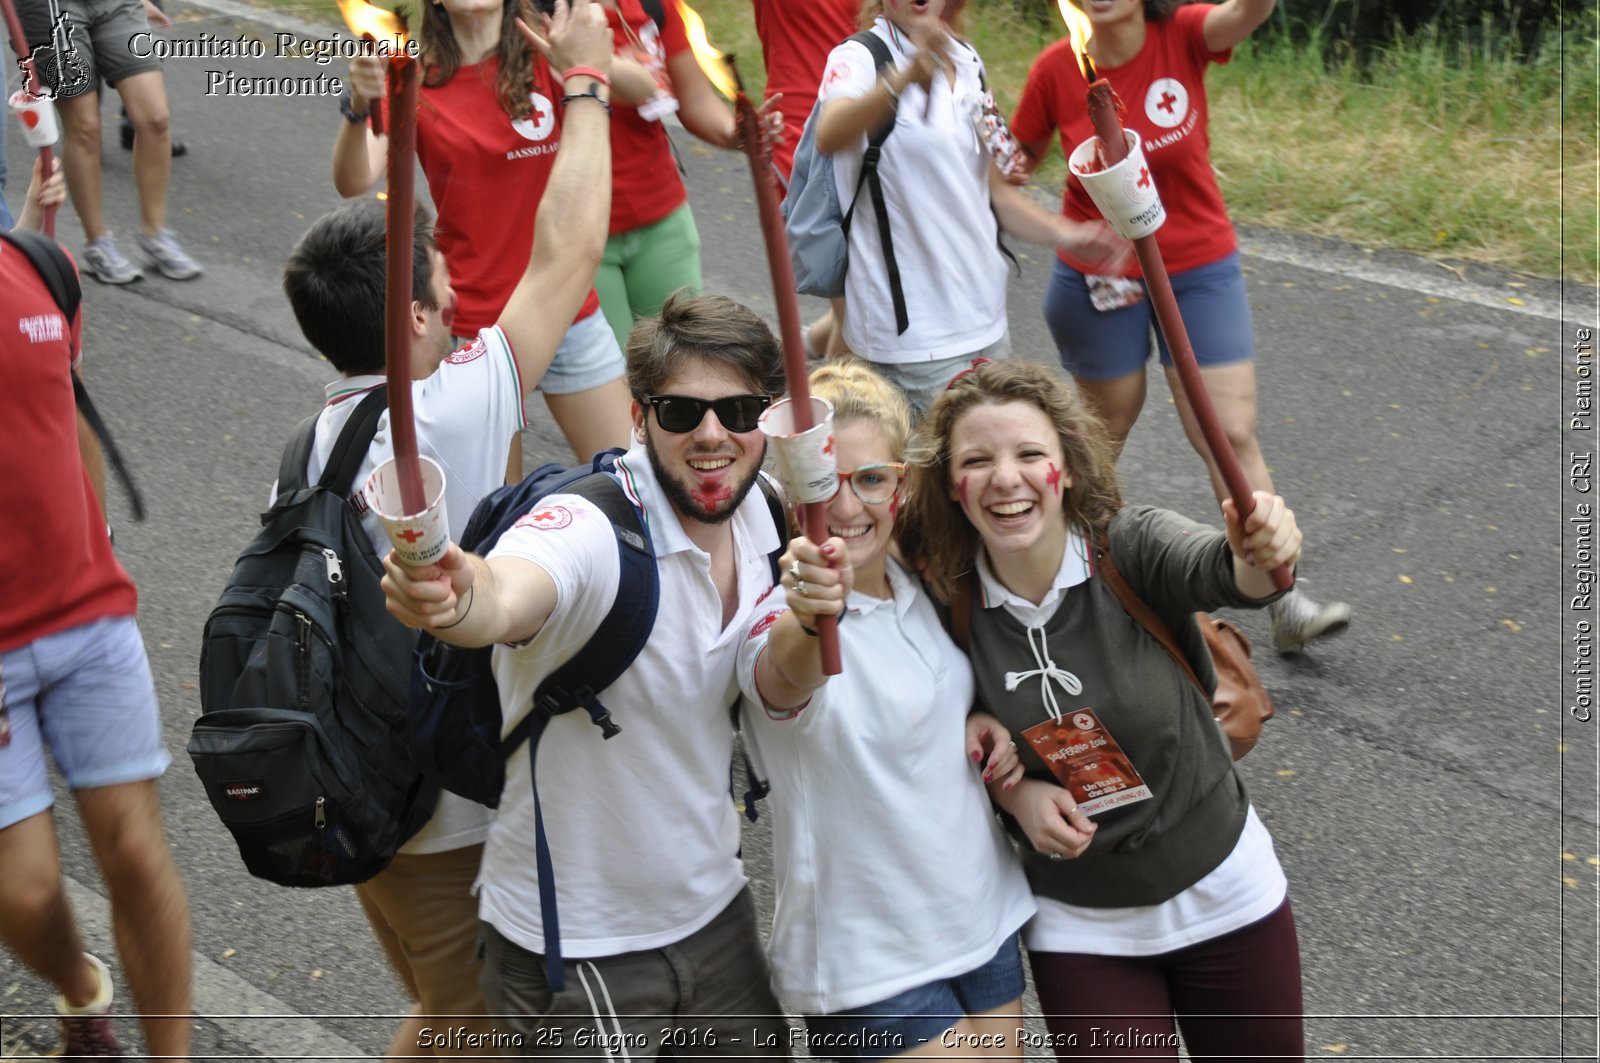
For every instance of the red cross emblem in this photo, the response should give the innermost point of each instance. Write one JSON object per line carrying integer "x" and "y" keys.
{"x": 548, "y": 518}
{"x": 1167, "y": 100}
{"x": 828, "y": 449}
{"x": 410, "y": 535}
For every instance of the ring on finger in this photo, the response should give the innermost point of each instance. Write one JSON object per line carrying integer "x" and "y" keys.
{"x": 800, "y": 588}
{"x": 794, "y": 569}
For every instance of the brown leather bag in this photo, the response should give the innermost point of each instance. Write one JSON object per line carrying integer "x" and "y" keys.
{"x": 1241, "y": 703}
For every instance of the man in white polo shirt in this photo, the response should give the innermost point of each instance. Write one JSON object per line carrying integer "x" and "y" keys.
{"x": 658, "y": 932}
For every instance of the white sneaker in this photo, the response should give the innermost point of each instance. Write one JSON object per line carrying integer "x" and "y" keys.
{"x": 169, "y": 256}
{"x": 1296, "y": 620}
{"x": 105, "y": 263}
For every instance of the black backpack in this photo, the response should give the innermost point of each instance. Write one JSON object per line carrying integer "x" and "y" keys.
{"x": 301, "y": 744}
{"x": 455, "y": 716}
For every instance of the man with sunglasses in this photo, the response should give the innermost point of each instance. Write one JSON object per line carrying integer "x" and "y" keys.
{"x": 658, "y": 931}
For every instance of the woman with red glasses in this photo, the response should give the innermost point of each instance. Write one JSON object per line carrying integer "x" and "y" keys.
{"x": 899, "y": 899}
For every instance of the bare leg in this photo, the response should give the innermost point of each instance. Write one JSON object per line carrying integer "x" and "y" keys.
{"x": 149, "y": 911}
{"x": 836, "y": 348}
{"x": 145, "y": 97}
{"x": 1117, "y": 401}
{"x": 80, "y": 160}
{"x": 36, "y": 918}
{"x": 1232, "y": 388}
{"x": 595, "y": 419}
{"x": 819, "y": 334}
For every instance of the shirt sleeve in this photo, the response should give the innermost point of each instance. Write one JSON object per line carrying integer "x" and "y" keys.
{"x": 1190, "y": 21}
{"x": 572, "y": 540}
{"x": 1035, "y": 120}
{"x": 1175, "y": 564}
{"x": 674, "y": 37}
{"x": 467, "y": 412}
{"x": 850, "y": 72}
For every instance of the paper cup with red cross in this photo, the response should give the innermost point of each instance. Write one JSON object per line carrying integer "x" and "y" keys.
{"x": 805, "y": 459}
{"x": 1125, "y": 193}
{"x": 38, "y": 117}
{"x": 419, "y": 538}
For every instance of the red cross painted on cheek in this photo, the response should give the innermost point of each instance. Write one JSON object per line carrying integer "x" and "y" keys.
{"x": 1054, "y": 479}
{"x": 894, "y": 507}
{"x": 962, "y": 487}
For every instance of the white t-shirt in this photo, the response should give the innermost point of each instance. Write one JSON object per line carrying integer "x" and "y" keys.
{"x": 892, "y": 870}
{"x": 1247, "y": 886}
{"x": 643, "y": 836}
{"x": 935, "y": 174}
{"x": 466, "y": 413}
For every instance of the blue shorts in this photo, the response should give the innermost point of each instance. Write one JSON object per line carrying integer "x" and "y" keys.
{"x": 87, "y": 693}
{"x": 924, "y": 382}
{"x": 588, "y": 357}
{"x": 1116, "y": 343}
{"x": 917, "y": 1016}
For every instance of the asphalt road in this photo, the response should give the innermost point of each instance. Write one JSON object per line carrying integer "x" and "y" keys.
{"x": 1433, "y": 801}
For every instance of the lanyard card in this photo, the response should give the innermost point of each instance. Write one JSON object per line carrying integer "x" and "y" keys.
{"x": 1087, "y": 761}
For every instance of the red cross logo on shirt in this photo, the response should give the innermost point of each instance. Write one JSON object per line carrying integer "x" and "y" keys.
{"x": 539, "y": 114}
{"x": 549, "y": 518}
{"x": 1167, "y": 100}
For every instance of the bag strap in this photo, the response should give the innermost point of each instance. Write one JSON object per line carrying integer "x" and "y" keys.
{"x": 1141, "y": 612}
{"x": 348, "y": 450}
{"x": 55, "y": 269}
{"x": 657, "y": 11}
{"x": 869, "y": 177}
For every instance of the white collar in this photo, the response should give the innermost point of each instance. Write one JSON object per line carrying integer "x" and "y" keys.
{"x": 902, "y": 589}
{"x": 1075, "y": 568}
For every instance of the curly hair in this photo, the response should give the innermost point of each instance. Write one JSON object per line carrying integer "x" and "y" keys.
{"x": 441, "y": 55}
{"x": 933, "y": 533}
{"x": 858, "y": 393}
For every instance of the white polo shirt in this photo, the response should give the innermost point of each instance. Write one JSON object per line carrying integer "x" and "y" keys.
{"x": 466, "y": 413}
{"x": 935, "y": 174}
{"x": 892, "y": 870}
{"x": 643, "y": 836}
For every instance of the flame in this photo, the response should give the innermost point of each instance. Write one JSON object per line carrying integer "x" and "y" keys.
{"x": 382, "y": 26}
{"x": 1079, "y": 30}
{"x": 711, "y": 60}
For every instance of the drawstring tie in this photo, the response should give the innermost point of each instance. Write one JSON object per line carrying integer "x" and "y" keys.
{"x": 1046, "y": 670}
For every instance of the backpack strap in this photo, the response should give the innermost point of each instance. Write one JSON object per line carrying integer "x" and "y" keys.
{"x": 348, "y": 450}
{"x": 657, "y": 12}
{"x": 55, "y": 269}
{"x": 1141, "y": 612}
{"x": 869, "y": 177}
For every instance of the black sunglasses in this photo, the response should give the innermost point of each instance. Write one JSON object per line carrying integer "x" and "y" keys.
{"x": 683, "y": 413}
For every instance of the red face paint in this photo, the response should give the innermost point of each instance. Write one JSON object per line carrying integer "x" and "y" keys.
{"x": 962, "y": 487}
{"x": 447, "y": 315}
{"x": 894, "y": 507}
{"x": 1054, "y": 479}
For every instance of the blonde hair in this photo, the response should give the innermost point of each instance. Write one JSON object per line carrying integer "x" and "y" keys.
{"x": 933, "y": 532}
{"x": 955, "y": 15}
{"x": 859, "y": 393}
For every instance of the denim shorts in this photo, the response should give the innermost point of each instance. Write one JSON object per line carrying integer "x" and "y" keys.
{"x": 85, "y": 692}
{"x": 917, "y": 1016}
{"x": 588, "y": 357}
{"x": 1116, "y": 343}
{"x": 111, "y": 37}
{"x": 924, "y": 382}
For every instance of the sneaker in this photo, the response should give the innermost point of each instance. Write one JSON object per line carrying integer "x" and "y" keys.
{"x": 1296, "y": 620}
{"x": 169, "y": 256}
{"x": 106, "y": 264}
{"x": 86, "y": 1032}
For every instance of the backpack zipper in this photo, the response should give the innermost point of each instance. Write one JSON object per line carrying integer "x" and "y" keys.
{"x": 322, "y": 818}
{"x": 335, "y": 569}
{"x": 304, "y": 622}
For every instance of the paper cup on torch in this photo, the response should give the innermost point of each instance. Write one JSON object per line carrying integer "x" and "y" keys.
{"x": 1125, "y": 193}
{"x": 38, "y": 116}
{"x": 805, "y": 459}
{"x": 418, "y": 538}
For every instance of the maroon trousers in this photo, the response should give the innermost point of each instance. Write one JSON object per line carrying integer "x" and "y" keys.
{"x": 1233, "y": 997}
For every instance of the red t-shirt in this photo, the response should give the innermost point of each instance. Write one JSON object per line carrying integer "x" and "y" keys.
{"x": 796, "y": 37}
{"x": 645, "y": 186}
{"x": 59, "y": 570}
{"x": 487, "y": 174}
{"x": 1163, "y": 88}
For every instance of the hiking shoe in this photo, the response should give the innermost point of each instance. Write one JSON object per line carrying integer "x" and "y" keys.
{"x": 106, "y": 264}
{"x": 168, "y": 256}
{"x": 86, "y": 1032}
{"x": 1296, "y": 620}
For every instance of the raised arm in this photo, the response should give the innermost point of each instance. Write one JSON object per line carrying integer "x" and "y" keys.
{"x": 817, "y": 581}
{"x": 1230, "y": 23}
{"x": 359, "y": 157}
{"x": 574, "y": 216}
{"x": 846, "y": 119}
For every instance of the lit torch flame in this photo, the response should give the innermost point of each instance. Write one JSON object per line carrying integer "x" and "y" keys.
{"x": 1079, "y": 30}
{"x": 711, "y": 60}
{"x": 384, "y": 27}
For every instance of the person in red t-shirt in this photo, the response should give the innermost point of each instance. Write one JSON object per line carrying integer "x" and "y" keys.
{"x": 74, "y": 679}
{"x": 654, "y": 248}
{"x": 1155, "y": 53}
{"x": 488, "y": 127}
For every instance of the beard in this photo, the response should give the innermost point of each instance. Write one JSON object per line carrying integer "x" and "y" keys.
{"x": 681, "y": 498}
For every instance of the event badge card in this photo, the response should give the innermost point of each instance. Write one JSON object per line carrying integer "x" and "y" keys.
{"x": 1088, "y": 761}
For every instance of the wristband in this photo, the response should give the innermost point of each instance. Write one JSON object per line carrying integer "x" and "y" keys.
{"x": 348, "y": 109}
{"x": 472, "y": 594}
{"x": 586, "y": 71}
{"x": 592, "y": 94}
